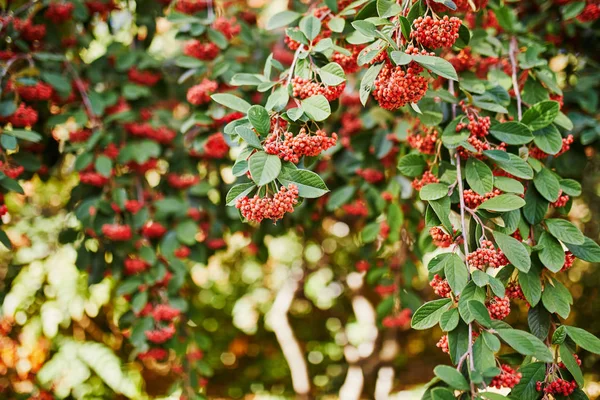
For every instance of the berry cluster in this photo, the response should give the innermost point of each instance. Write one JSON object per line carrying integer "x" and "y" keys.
{"x": 59, "y": 12}
{"x": 200, "y": 93}
{"x": 23, "y": 116}
{"x": 474, "y": 200}
{"x": 161, "y": 134}
{"x": 362, "y": 265}
{"x": 508, "y": 378}
{"x": 190, "y": 6}
{"x": 440, "y": 286}
{"x": 202, "y": 51}
{"x": 292, "y": 148}
{"x": 478, "y": 126}
{"x": 144, "y": 78}
{"x": 535, "y": 152}
{"x": 498, "y": 307}
{"x": 590, "y": 13}
{"x": 401, "y": 320}
{"x": 182, "y": 182}
{"x": 463, "y": 60}
{"x": 215, "y": 146}
{"x": 577, "y": 360}
{"x": 370, "y": 175}
{"x": 562, "y": 200}
{"x": 40, "y": 91}
{"x": 304, "y": 88}
{"x": 135, "y": 266}
{"x": 426, "y": 179}
{"x": 274, "y": 208}
{"x": 227, "y": 26}
{"x": 348, "y": 63}
{"x": 442, "y": 344}
{"x": 487, "y": 256}
{"x": 153, "y": 230}
{"x": 514, "y": 291}
{"x": 440, "y": 237}
{"x": 557, "y": 387}
{"x": 425, "y": 144}
{"x": 116, "y": 232}
{"x": 161, "y": 334}
{"x": 394, "y": 87}
{"x": 156, "y": 354}
{"x": 569, "y": 260}
{"x": 436, "y": 33}
{"x": 357, "y": 208}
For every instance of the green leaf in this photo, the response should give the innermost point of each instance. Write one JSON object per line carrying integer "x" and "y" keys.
{"x": 437, "y": 65}
{"x": 471, "y": 292}
{"x": 525, "y": 343}
{"x": 412, "y": 165}
{"x": 388, "y": 8}
{"x": 456, "y": 273}
{"x": 570, "y": 11}
{"x": 526, "y": 388}
{"x": 480, "y": 313}
{"x": 536, "y": 206}
{"x": 370, "y": 232}
{"x": 538, "y": 319}
{"x": 514, "y": 250}
{"x": 8, "y": 142}
{"x": 249, "y": 136}
{"x": 238, "y": 191}
{"x": 310, "y": 26}
{"x": 547, "y": 185}
{"x": 491, "y": 341}
{"x": 451, "y": 376}
{"x": 429, "y": 314}
{"x": 5, "y": 240}
{"x": 588, "y": 251}
{"x": 400, "y": 57}
{"x": 332, "y": 74}
{"x": 281, "y": 19}
{"x": 513, "y": 133}
{"x": 310, "y": 185}
{"x": 570, "y": 187}
{"x": 59, "y": 81}
{"x": 541, "y": 114}
{"x": 551, "y": 252}
{"x": 548, "y": 139}
{"x": 584, "y": 339}
{"x": 449, "y": 320}
{"x": 503, "y": 202}
{"x": 231, "y": 101}
{"x": 366, "y": 84}
{"x": 442, "y": 393}
{"x": 567, "y": 358}
{"x": 259, "y": 118}
{"x": 508, "y": 185}
{"x": 434, "y": 191}
{"x": 441, "y": 207}
{"x": 531, "y": 285}
{"x": 479, "y": 176}
{"x": 339, "y": 197}
{"x": 139, "y": 300}
{"x": 557, "y": 299}
{"x": 23, "y": 134}
{"x": 264, "y": 167}
{"x": 316, "y": 107}
{"x": 278, "y": 99}
{"x": 514, "y": 165}
{"x": 336, "y": 24}
{"x": 104, "y": 166}
{"x": 186, "y": 232}
{"x": 565, "y": 231}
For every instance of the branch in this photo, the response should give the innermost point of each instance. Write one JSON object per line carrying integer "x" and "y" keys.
{"x": 278, "y": 320}
{"x": 291, "y": 73}
{"x": 512, "y": 53}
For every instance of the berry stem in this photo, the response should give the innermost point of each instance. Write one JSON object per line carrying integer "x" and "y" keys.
{"x": 512, "y": 53}
{"x": 291, "y": 73}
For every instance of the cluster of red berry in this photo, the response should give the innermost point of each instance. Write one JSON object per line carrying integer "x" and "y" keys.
{"x": 498, "y": 307}
{"x": 557, "y": 387}
{"x": 436, "y": 33}
{"x": 143, "y": 77}
{"x": 508, "y": 378}
{"x": 426, "y": 179}
{"x": 182, "y": 182}
{"x": 443, "y": 345}
{"x": 401, "y": 320}
{"x": 423, "y": 142}
{"x": 59, "y": 12}
{"x": 304, "y": 88}
{"x": 348, "y": 62}
{"x": 117, "y": 232}
{"x": 440, "y": 237}
{"x": 487, "y": 256}
{"x": 357, "y": 208}
{"x": 537, "y": 153}
{"x": 161, "y": 134}
{"x": 474, "y": 200}
{"x": 370, "y": 175}
{"x": 291, "y": 148}
{"x": 200, "y": 93}
{"x": 440, "y": 286}
{"x": 227, "y": 26}
{"x": 478, "y": 126}
{"x": 569, "y": 260}
{"x": 202, "y": 51}
{"x": 562, "y": 200}
{"x": 514, "y": 291}
{"x": 161, "y": 334}
{"x": 274, "y": 208}
{"x": 215, "y": 146}
{"x": 394, "y": 87}
{"x": 577, "y": 360}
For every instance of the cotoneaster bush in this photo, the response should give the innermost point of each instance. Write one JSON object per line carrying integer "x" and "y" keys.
{"x": 422, "y": 125}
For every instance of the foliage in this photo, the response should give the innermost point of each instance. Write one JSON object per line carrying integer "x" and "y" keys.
{"x": 453, "y": 122}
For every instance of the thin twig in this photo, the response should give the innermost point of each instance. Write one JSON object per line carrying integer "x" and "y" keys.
{"x": 512, "y": 53}
{"x": 291, "y": 73}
